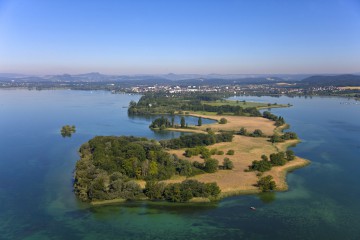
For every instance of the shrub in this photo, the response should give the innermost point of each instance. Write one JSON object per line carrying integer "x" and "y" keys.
{"x": 228, "y": 164}
{"x": 266, "y": 184}
{"x": 230, "y": 152}
{"x": 211, "y": 165}
{"x": 223, "y": 121}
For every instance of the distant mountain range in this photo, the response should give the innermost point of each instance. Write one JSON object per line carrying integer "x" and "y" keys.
{"x": 190, "y": 79}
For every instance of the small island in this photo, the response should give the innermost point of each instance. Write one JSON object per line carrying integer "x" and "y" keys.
{"x": 243, "y": 152}
{"x": 67, "y": 130}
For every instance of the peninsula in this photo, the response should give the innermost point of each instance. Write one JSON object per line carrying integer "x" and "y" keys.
{"x": 243, "y": 152}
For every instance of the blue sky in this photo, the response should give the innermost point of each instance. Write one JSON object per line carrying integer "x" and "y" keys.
{"x": 195, "y": 36}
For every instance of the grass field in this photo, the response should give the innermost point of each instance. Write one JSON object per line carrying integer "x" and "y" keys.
{"x": 247, "y": 149}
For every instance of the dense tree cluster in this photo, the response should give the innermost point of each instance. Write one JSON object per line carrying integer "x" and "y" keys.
{"x": 165, "y": 104}
{"x": 279, "y": 121}
{"x": 67, "y": 130}
{"x": 198, "y": 139}
{"x": 276, "y": 159}
{"x": 181, "y": 192}
{"x": 282, "y": 138}
{"x": 161, "y": 123}
{"x": 108, "y": 166}
{"x": 266, "y": 184}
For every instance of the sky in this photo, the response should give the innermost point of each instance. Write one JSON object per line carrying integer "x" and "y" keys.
{"x": 180, "y": 36}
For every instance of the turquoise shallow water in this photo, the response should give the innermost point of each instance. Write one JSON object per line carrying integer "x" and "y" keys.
{"x": 36, "y": 167}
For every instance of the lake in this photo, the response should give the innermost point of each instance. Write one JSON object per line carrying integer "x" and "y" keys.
{"x": 36, "y": 171}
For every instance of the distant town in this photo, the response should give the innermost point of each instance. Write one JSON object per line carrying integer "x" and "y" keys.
{"x": 338, "y": 85}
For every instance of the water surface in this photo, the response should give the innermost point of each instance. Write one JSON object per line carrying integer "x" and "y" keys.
{"x": 36, "y": 169}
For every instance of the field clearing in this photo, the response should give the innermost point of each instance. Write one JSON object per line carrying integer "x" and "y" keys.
{"x": 234, "y": 123}
{"x": 247, "y": 149}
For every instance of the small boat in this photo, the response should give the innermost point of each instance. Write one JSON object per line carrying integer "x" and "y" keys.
{"x": 252, "y": 208}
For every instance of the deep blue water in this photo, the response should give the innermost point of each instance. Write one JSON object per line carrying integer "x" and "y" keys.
{"x": 36, "y": 169}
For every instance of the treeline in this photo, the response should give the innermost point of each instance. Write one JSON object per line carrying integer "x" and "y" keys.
{"x": 282, "y": 138}
{"x": 109, "y": 165}
{"x": 256, "y": 133}
{"x": 198, "y": 139}
{"x": 168, "y": 104}
{"x": 181, "y": 192}
{"x": 279, "y": 121}
{"x": 162, "y": 123}
{"x": 276, "y": 159}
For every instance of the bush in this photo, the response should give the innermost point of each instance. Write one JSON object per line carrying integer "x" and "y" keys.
{"x": 290, "y": 155}
{"x": 278, "y": 159}
{"x": 220, "y": 153}
{"x": 230, "y": 152}
{"x": 211, "y": 165}
{"x": 154, "y": 190}
{"x": 266, "y": 184}
{"x": 228, "y": 164}
{"x": 261, "y": 166}
{"x": 223, "y": 121}
{"x": 243, "y": 131}
{"x": 257, "y": 133}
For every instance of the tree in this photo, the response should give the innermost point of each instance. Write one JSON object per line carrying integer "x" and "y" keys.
{"x": 278, "y": 159}
{"x": 172, "y": 121}
{"x": 223, "y": 121}
{"x": 264, "y": 158}
{"x": 154, "y": 190}
{"x": 261, "y": 166}
{"x": 182, "y": 122}
{"x": 257, "y": 133}
{"x": 228, "y": 164}
{"x": 243, "y": 131}
{"x": 230, "y": 152}
{"x": 199, "y": 121}
{"x": 290, "y": 155}
{"x": 211, "y": 165}
{"x": 266, "y": 184}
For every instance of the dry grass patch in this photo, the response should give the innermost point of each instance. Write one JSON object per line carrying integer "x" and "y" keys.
{"x": 236, "y": 122}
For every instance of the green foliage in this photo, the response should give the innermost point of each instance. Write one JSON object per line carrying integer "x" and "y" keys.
{"x": 223, "y": 121}
{"x": 182, "y": 122}
{"x": 261, "y": 166}
{"x": 279, "y": 121}
{"x": 257, "y": 133}
{"x": 199, "y": 121}
{"x": 161, "y": 123}
{"x": 264, "y": 158}
{"x": 230, "y": 152}
{"x": 266, "y": 184}
{"x": 154, "y": 190}
{"x": 220, "y": 152}
{"x": 161, "y": 103}
{"x": 243, "y": 131}
{"x": 67, "y": 130}
{"x": 108, "y": 164}
{"x": 290, "y": 155}
{"x": 211, "y": 165}
{"x": 286, "y": 136}
{"x": 228, "y": 164}
{"x": 198, "y": 139}
{"x": 186, "y": 190}
{"x": 278, "y": 159}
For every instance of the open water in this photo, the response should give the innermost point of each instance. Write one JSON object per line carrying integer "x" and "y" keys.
{"x": 36, "y": 170}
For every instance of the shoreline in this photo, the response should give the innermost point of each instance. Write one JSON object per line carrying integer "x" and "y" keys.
{"x": 247, "y": 179}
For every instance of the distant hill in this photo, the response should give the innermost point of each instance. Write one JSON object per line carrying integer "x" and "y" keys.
{"x": 337, "y": 80}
